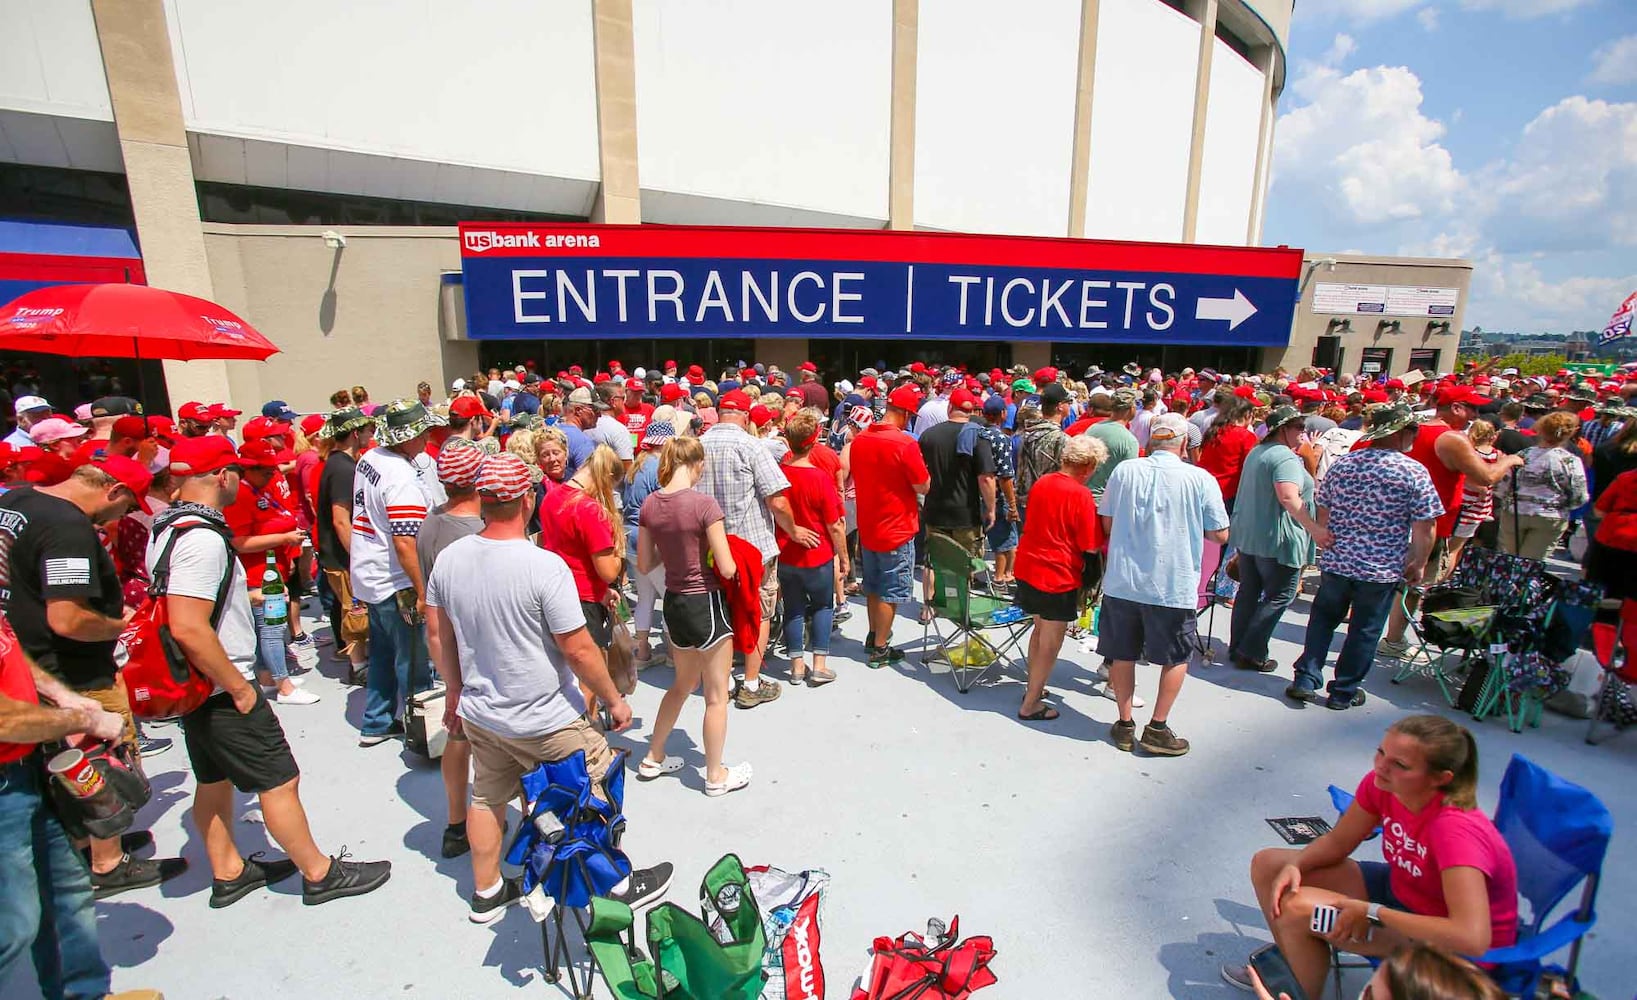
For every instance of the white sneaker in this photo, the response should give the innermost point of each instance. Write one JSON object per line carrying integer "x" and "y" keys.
{"x": 1136, "y": 699}
{"x": 296, "y": 697}
{"x": 738, "y": 777}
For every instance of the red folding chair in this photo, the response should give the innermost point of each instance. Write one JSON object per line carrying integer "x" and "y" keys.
{"x": 1612, "y": 645}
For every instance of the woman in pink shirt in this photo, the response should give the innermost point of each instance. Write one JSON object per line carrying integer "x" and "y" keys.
{"x": 1446, "y": 878}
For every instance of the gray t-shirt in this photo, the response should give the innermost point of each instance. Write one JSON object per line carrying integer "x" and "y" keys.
{"x": 440, "y": 529}
{"x": 607, "y": 430}
{"x": 508, "y": 601}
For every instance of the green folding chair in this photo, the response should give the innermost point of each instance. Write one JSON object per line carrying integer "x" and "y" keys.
{"x": 974, "y": 616}
{"x": 715, "y": 956}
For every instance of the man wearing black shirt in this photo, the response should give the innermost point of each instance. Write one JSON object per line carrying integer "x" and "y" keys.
{"x": 961, "y": 500}
{"x": 1511, "y": 440}
{"x": 349, "y": 429}
{"x": 62, "y": 595}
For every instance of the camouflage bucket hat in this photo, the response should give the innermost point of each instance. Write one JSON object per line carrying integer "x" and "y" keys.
{"x": 344, "y": 420}
{"x": 1280, "y": 416}
{"x": 405, "y": 420}
{"x": 1387, "y": 419}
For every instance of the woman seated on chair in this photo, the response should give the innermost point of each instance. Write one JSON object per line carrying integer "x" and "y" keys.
{"x": 1446, "y": 878}
{"x": 1061, "y": 529}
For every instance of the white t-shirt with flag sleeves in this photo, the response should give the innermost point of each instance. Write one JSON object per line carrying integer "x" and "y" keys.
{"x": 387, "y": 500}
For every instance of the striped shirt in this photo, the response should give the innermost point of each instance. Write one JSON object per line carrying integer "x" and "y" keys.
{"x": 1477, "y": 501}
{"x": 387, "y": 502}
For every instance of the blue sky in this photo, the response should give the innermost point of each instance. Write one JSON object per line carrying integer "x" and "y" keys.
{"x": 1502, "y": 131}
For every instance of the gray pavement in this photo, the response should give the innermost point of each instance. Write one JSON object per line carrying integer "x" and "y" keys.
{"x": 1098, "y": 873}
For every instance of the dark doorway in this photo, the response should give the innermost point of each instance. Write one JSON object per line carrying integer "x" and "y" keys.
{"x": 68, "y": 382}
{"x": 848, "y": 357}
{"x": 1077, "y": 358}
{"x": 552, "y": 356}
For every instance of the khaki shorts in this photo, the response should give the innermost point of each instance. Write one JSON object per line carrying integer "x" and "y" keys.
{"x": 499, "y": 762}
{"x": 770, "y": 588}
{"x": 116, "y": 700}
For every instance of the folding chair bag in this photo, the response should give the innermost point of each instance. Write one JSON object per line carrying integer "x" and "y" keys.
{"x": 792, "y": 906}
{"x": 568, "y": 844}
{"x": 912, "y": 968}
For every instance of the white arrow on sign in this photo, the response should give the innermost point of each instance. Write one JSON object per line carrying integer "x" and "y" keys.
{"x": 1235, "y": 310}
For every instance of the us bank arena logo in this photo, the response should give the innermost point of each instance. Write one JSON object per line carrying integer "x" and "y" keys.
{"x": 478, "y": 241}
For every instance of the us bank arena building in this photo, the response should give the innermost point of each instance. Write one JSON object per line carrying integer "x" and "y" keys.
{"x": 393, "y": 197}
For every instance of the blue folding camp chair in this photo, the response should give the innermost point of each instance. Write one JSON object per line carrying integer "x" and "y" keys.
{"x": 1558, "y": 833}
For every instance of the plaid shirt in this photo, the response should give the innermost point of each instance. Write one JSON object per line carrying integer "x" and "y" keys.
{"x": 1595, "y": 431}
{"x": 741, "y": 474}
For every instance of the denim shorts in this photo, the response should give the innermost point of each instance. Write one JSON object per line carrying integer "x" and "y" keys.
{"x": 1003, "y": 536}
{"x": 1378, "y": 884}
{"x": 890, "y": 575}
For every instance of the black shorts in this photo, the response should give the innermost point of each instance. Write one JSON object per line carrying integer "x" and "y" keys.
{"x": 1064, "y": 607}
{"x": 248, "y": 750}
{"x": 599, "y": 623}
{"x": 1127, "y": 630}
{"x": 1378, "y": 884}
{"x": 697, "y": 621}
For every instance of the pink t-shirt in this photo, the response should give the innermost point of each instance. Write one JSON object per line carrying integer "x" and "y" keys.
{"x": 1419, "y": 846}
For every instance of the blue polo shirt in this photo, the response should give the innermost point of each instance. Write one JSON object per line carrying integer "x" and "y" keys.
{"x": 1161, "y": 509}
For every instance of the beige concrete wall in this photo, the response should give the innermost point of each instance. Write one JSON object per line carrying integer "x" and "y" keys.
{"x": 371, "y": 313}
{"x": 1413, "y": 334}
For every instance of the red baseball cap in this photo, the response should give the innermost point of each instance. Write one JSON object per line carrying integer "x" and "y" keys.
{"x": 221, "y": 411}
{"x": 905, "y": 398}
{"x": 760, "y": 415}
{"x": 312, "y": 423}
{"x": 670, "y": 392}
{"x": 807, "y": 366}
{"x": 1449, "y": 395}
{"x": 263, "y": 454}
{"x": 576, "y": 370}
{"x": 468, "y": 407}
{"x": 962, "y": 399}
{"x": 614, "y": 366}
{"x": 130, "y": 473}
{"x": 747, "y": 373}
{"x": 669, "y": 366}
{"x": 1046, "y": 374}
{"x": 1393, "y": 383}
{"x": 601, "y": 377}
{"x": 193, "y": 411}
{"x": 869, "y": 382}
{"x": 264, "y": 427}
{"x": 733, "y": 399}
{"x": 130, "y": 426}
{"x": 696, "y": 373}
{"x": 917, "y": 367}
{"x": 199, "y": 455}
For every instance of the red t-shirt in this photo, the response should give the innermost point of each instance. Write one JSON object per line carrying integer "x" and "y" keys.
{"x": 1080, "y": 426}
{"x": 574, "y": 527}
{"x": 887, "y": 466}
{"x": 1419, "y": 846}
{"x": 636, "y": 420}
{"x": 1618, "y": 505}
{"x": 815, "y": 504}
{"x": 1447, "y": 482}
{"x": 1223, "y": 456}
{"x": 266, "y": 513}
{"x": 1062, "y": 525}
{"x": 16, "y": 683}
{"x": 823, "y": 457}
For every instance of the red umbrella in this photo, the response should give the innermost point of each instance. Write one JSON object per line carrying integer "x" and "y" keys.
{"x": 127, "y": 321}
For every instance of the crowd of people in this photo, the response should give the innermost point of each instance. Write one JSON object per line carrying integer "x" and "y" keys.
{"x": 505, "y": 535}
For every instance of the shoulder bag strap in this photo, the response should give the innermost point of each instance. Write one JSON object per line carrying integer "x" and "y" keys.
{"x": 162, "y": 569}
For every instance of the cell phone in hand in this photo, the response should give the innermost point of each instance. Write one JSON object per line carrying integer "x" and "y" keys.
{"x": 1274, "y": 971}
{"x": 1324, "y": 918}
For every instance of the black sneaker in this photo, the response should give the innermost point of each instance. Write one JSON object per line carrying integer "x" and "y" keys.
{"x": 133, "y": 874}
{"x": 152, "y": 746}
{"x": 880, "y": 656}
{"x": 645, "y": 886}
{"x": 1343, "y": 704}
{"x": 1124, "y": 735}
{"x": 454, "y": 840}
{"x": 487, "y": 911}
{"x": 257, "y": 873}
{"x": 129, "y": 843}
{"x": 346, "y": 878}
{"x": 1260, "y": 666}
{"x": 1295, "y": 692}
{"x": 376, "y": 739}
{"x": 1160, "y": 740}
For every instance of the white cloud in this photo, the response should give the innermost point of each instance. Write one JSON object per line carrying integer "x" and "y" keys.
{"x": 1427, "y": 17}
{"x": 1616, "y": 62}
{"x": 1513, "y": 294}
{"x": 1525, "y": 8}
{"x": 1360, "y": 149}
{"x": 1340, "y": 48}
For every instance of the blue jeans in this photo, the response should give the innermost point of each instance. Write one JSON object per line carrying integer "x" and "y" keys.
{"x": 271, "y": 642}
{"x": 809, "y": 597}
{"x": 1370, "y": 603}
{"x": 398, "y": 666}
{"x": 1266, "y": 589}
{"x": 47, "y": 904}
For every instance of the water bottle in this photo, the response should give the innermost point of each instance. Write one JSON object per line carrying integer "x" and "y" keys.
{"x": 727, "y": 901}
{"x": 275, "y": 607}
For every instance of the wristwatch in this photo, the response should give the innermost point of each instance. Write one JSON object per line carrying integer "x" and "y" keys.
{"x": 1372, "y": 913}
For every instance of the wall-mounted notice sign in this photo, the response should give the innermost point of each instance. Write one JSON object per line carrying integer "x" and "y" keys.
{"x": 1385, "y": 300}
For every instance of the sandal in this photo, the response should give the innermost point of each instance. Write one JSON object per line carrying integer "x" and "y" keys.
{"x": 1045, "y": 713}
{"x": 650, "y": 769}
{"x": 926, "y": 614}
{"x": 819, "y": 678}
{"x": 738, "y": 777}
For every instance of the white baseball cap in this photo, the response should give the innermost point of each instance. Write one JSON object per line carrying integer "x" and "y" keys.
{"x": 457, "y": 385}
{"x": 26, "y": 403}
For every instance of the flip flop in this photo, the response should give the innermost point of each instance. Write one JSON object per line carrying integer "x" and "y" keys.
{"x": 648, "y": 770}
{"x": 1044, "y": 713}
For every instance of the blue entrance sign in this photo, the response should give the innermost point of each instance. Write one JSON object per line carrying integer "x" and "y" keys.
{"x": 608, "y": 282}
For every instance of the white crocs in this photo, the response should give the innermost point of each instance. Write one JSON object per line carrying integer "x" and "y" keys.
{"x": 648, "y": 770}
